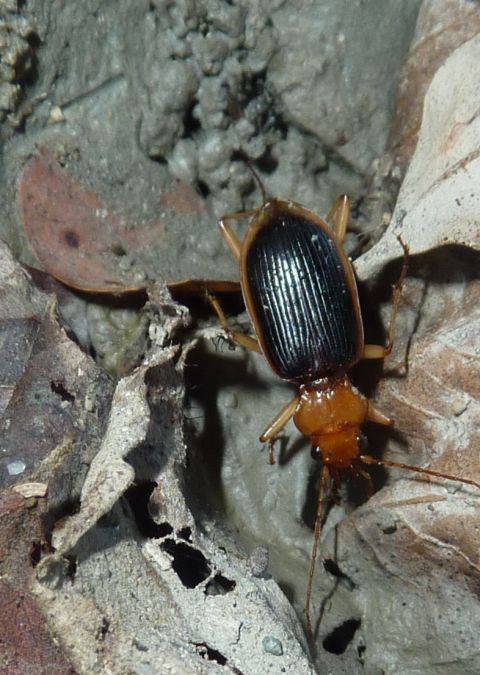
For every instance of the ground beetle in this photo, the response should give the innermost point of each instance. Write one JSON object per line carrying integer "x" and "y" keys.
{"x": 300, "y": 292}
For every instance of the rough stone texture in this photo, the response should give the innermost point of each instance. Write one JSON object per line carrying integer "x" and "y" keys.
{"x": 193, "y": 86}
{"x": 17, "y": 65}
{"x": 335, "y": 84}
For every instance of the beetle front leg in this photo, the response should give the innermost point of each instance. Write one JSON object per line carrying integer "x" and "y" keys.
{"x": 341, "y": 211}
{"x": 277, "y": 424}
{"x": 237, "y": 336}
{"x": 233, "y": 242}
{"x": 381, "y": 351}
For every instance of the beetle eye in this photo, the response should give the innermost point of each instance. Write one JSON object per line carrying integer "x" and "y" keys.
{"x": 362, "y": 441}
{"x": 315, "y": 452}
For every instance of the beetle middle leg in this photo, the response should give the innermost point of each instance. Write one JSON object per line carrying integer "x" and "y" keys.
{"x": 277, "y": 424}
{"x": 237, "y": 336}
{"x": 381, "y": 351}
{"x": 374, "y": 415}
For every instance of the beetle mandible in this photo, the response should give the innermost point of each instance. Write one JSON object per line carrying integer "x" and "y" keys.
{"x": 300, "y": 291}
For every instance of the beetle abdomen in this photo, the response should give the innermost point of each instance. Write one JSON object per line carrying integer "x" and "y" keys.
{"x": 306, "y": 319}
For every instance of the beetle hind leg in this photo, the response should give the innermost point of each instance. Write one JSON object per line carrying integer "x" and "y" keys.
{"x": 381, "y": 351}
{"x": 374, "y": 415}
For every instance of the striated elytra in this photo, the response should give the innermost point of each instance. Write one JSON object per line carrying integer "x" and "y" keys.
{"x": 301, "y": 295}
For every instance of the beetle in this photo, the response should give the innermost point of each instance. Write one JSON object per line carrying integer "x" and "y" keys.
{"x": 301, "y": 295}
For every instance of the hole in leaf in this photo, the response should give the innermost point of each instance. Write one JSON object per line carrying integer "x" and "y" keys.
{"x": 138, "y": 497}
{"x": 219, "y": 585}
{"x": 190, "y": 564}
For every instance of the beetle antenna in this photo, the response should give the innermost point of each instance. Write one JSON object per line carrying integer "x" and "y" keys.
{"x": 316, "y": 540}
{"x": 367, "y": 459}
{"x": 254, "y": 173}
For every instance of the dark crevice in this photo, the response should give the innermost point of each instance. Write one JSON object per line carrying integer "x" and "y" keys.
{"x": 190, "y": 123}
{"x": 203, "y": 188}
{"x": 185, "y": 533}
{"x": 340, "y": 637}
{"x": 189, "y": 563}
{"x": 71, "y": 567}
{"x": 209, "y": 653}
{"x": 332, "y": 568}
{"x": 267, "y": 163}
{"x": 36, "y": 550}
{"x": 59, "y": 388}
{"x": 118, "y": 249}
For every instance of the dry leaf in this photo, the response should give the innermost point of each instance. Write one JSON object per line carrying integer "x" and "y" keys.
{"x": 73, "y": 234}
{"x": 439, "y": 202}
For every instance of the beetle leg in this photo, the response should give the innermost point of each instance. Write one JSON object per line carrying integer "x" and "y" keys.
{"x": 237, "y": 336}
{"x": 324, "y": 475}
{"x": 367, "y": 477}
{"x": 341, "y": 211}
{"x": 367, "y": 459}
{"x": 375, "y": 351}
{"x": 233, "y": 242}
{"x": 374, "y": 415}
{"x": 277, "y": 424}
{"x": 379, "y": 351}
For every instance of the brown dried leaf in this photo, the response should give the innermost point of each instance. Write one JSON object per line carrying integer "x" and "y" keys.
{"x": 27, "y": 644}
{"x": 54, "y": 414}
{"x": 76, "y": 238}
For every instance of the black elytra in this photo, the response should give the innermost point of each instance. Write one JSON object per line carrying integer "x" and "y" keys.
{"x": 305, "y": 308}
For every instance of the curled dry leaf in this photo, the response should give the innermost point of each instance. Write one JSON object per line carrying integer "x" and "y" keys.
{"x": 55, "y": 397}
{"x": 172, "y": 583}
{"x": 439, "y": 202}
{"x": 442, "y": 26}
{"x": 110, "y": 475}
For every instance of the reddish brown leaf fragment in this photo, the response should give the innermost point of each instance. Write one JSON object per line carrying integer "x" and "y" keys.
{"x": 73, "y": 234}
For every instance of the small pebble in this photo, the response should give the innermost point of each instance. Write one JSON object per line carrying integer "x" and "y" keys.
{"x": 459, "y": 405}
{"x": 258, "y": 560}
{"x": 16, "y": 468}
{"x": 272, "y": 646}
